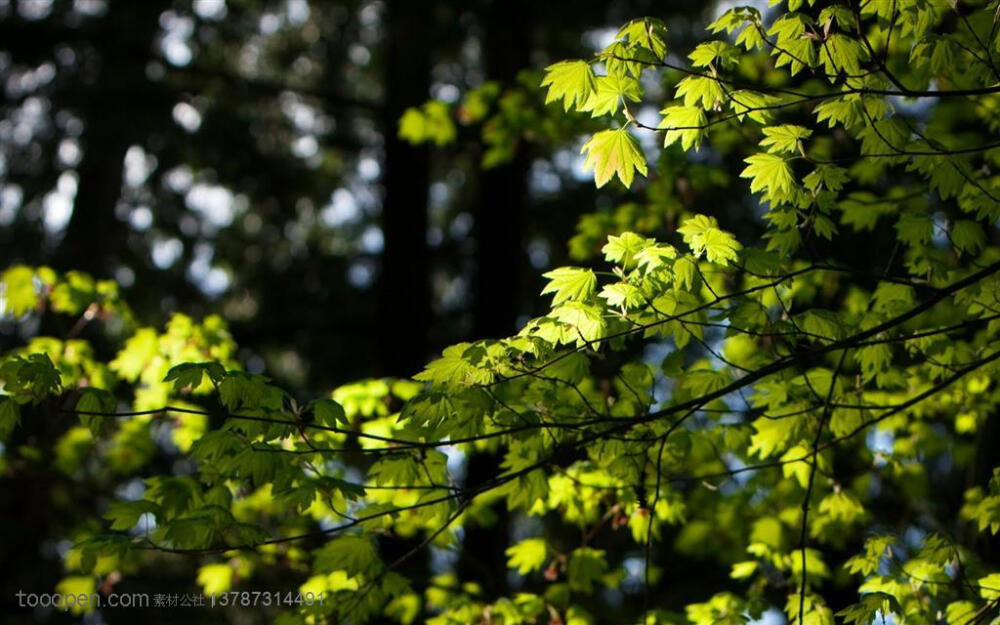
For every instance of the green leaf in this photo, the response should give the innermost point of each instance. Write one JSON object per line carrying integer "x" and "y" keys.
{"x": 848, "y": 111}
{"x": 430, "y": 123}
{"x": 989, "y": 586}
{"x": 742, "y": 570}
{"x": 329, "y": 412}
{"x": 17, "y": 290}
{"x": 685, "y": 124}
{"x": 769, "y": 173}
{"x": 828, "y": 177}
{"x": 646, "y": 34}
{"x": 585, "y": 566}
{"x": 10, "y": 417}
{"x": 793, "y": 47}
{"x": 95, "y": 400}
{"x": 960, "y": 612}
{"x": 125, "y": 514}
{"x": 947, "y": 174}
{"x": 885, "y": 137}
{"x": 703, "y": 381}
{"x": 611, "y": 91}
{"x": 734, "y": 19}
{"x": 702, "y": 233}
{"x": 786, "y": 138}
{"x": 751, "y": 38}
{"x": 872, "y": 608}
{"x": 655, "y": 256}
{"x": 770, "y": 436}
{"x": 625, "y": 248}
{"x": 456, "y": 367}
{"x": 915, "y": 228}
{"x": 842, "y": 15}
{"x": 822, "y": 323}
{"x": 585, "y": 322}
{"x": 968, "y": 236}
{"x": 429, "y": 409}
{"x": 840, "y": 53}
{"x": 570, "y": 284}
{"x": 73, "y": 293}
{"x": 754, "y": 105}
{"x": 139, "y": 351}
{"x": 527, "y": 556}
{"x": 622, "y": 295}
{"x": 892, "y": 298}
{"x": 215, "y": 578}
{"x": 354, "y": 554}
{"x": 573, "y": 368}
{"x": 31, "y": 378}
{"x": 862, "y": 210}
{"x": 870, "y": 559}
{"x": 92, "y": 405}
{"x": 815, "y": 566}
{"x": 703, "y": 90}
{"x": 824, "y": 227}
{"x": 349, "y": 490}
{"x": 612, "y": 152}
{"x": 573, "y": 82}
{"x": 395, "y": 471}
{"x": 873, "y": 359}
{"x": 189, "y": 375}
{"x": 799, "y": 469}
{"x": 79, "y": 586}
{"x": 717, "y": 53}
{"x": 685, "y": 272}
{"x": 241, "y": 391}
{"x": 842, "y": 506}
{"x": 935, "y": 54}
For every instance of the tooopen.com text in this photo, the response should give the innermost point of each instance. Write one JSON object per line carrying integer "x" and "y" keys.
{"x": 69, "y": 601}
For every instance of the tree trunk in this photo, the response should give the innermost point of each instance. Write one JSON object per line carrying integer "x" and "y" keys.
{"x": 405, "y": 309}
{"x": 405, "y": 299}
{"x": 501, "y": 211}
{"x": 500, "y": 266}
{"x": 114, "y": 106}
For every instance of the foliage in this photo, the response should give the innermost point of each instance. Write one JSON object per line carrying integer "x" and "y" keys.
{"x": 782, "y": 406}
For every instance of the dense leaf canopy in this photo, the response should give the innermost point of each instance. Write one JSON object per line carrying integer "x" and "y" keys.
{"x": 807, "y": 407}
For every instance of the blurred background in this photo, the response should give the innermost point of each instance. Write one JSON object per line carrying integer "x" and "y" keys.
{"x": 241, "y": 157}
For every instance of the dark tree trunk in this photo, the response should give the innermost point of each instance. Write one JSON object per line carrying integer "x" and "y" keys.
{"x": 500, "y": 266}
{"x": 500, "y": 214}
{"x": 115, "y": 106}
{"x": 405, "y": 300}
{"x": 405, "y": 309}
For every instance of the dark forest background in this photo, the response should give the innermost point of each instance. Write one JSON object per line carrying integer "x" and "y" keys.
{"x": 242, "y": 158}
